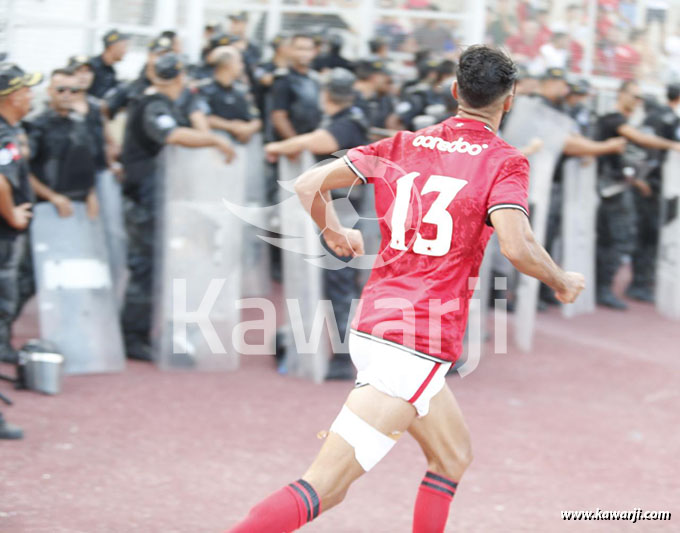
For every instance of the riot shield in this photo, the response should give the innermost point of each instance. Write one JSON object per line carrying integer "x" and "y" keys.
{"x": 477, "y": 331}
{"x": 579, "y": 211}
{"x": 198, "y": 259}
{"x": 110, "y": 199}
{"x": 302, "y": 280}
{"x": 668, "y": 260}
{"x": 256, "y": 253}
{"x": 77, "y": 307}
{"x": 531, "y": 119}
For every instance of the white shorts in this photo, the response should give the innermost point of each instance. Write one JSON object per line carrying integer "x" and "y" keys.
{"x": 396, "y": 370}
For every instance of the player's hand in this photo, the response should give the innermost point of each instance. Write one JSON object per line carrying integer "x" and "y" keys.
{"x": 616, "y": 145}
{"x": 22, "y": 216}
{"x": 63, "y": 205}
{"x": 345, "y": 243}
{"x": 224, "y": 146}
{"x": 574, "y": 283}
{"x": 676, "y": 146}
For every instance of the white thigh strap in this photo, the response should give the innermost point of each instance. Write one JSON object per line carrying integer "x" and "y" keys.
{"x": 370, "y": 445}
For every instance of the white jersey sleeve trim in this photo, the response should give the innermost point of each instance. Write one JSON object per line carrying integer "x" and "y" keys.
{"x": 354, "y": 169}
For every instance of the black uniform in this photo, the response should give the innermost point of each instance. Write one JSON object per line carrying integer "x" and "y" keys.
{"x": 616, "y": 221}
{"x": 416, "y": 99}
{"x": 13, "y": 243}
{"x": 104, "y": 78}
{"x": 251, "y": 57}
{"x": 376, "y": 108}
{"x": 189, "y": 101}
{"x": 95, "y": 125}
{"x": 126, "y": 92}
{"x": 298, "y": 94}
{"x": 230, "y": 103}
{"x": 664, "y": 122}
{"x": 151, "y": 119}
{"x": 66, "y": 152}
{"x": 260, "y": 91}
{"x": 330, "y": 61}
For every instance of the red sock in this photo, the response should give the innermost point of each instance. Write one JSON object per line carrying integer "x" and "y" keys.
{"x": 284, "y": 511}
{"x": 432, "y": 504}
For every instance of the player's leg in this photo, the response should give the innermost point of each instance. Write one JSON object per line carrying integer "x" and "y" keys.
{"x": 445, "y": 441}
{"x": 362, "y": 434}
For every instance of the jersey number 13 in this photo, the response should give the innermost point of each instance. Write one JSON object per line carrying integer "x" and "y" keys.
{"x": 448, "y": 188}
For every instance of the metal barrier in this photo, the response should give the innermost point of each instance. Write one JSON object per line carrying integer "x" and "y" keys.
{"x": 668, "y": 261}
{"x": 531, "y": 118}
{"x": 199, "y": 259}
{"x": 77, "y": 306}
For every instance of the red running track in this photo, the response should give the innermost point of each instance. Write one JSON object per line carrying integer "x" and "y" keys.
{"x": 588, "y": 420}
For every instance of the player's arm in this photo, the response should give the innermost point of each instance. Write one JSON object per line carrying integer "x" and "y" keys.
{"x": 646, "y": 140}
{"x": 580, "y": 146}
{"x": 520, "y": 247}
{"x": 313, "y": 188}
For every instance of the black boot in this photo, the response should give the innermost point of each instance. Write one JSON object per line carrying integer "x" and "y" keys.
{"x": 341, "y": 368}
{"x": 641, "y": 294}
{"x": 8, "y": 431}
{"x": 606, "y": 297}
{"x": 138, "y": 350}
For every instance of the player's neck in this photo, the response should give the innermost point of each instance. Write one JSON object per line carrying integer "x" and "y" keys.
{"x": 493, "y": 121}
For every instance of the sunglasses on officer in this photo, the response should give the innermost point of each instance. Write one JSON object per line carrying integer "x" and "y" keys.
{"x": 74, "y": 90}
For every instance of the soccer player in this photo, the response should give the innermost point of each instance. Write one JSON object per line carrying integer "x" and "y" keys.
{"x": 439, "y": 192}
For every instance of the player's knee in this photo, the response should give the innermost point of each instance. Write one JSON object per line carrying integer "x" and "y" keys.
{"x": 453, "y": 461}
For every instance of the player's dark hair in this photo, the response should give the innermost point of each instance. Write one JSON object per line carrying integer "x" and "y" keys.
{"x": 170, "y": 34}
{"x": 484, "y": 75}
{"x": 673, "y": 92}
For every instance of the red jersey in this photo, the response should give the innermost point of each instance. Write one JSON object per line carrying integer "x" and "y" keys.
{"x": 434, "y": 191}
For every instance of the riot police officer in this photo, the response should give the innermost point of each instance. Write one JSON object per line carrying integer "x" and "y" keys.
{"x": 576, "y": 104}
{"x": 664, "y": 122}
{"x": 125, "y": 92}
{"x": 16, "y": 198}
{"x": 265, "y": 73}
{"x": 66, "y": 151}
{"x": 344, "y": 126}
{"x": 295, "y": 94}
{"x": 154, "y": 121}
{"x": 204, "y": 69}
{"x": 616, "y": 219}
{"x": 553, "y": 90}
{"x": 251, "y": 52}
{"x": 416, "y": 97}
{"x": 373, "y": 94}
{"x": 332, "y": 58}
{"x": 115, "y": 48}
{"x": 230, "y": 108}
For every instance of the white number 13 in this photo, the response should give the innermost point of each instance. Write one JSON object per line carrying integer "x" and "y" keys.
{"x": 448, "y": 188}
